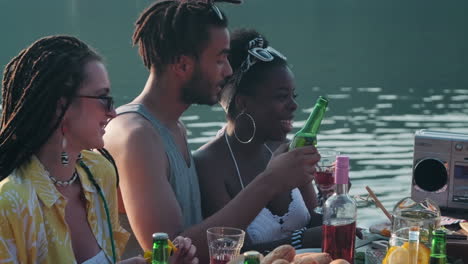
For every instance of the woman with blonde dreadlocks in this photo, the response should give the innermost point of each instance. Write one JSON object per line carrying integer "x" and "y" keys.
{"x": 184, "y": 45}
{"x": 58, "y": 200}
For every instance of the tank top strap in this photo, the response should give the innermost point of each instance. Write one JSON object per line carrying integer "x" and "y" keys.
{"x": 143, "y": 111}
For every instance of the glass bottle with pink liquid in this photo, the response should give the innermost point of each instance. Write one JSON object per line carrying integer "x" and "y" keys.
{"x": 339, "y": 216}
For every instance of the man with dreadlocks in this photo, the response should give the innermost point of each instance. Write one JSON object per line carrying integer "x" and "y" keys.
{"x": 184, "y": 44}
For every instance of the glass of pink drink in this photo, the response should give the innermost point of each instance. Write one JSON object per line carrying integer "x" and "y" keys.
{"x": 224, "y": 243}
{"x": 324, "y": 175}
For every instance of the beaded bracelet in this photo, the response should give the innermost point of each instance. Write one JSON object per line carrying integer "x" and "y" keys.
{"x": 296, "y": 238}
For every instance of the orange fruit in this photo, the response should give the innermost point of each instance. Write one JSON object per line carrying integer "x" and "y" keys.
{"x": 389, "y": 251}
{"x": 399, "y": 255}
{"x": 424, "y": 253}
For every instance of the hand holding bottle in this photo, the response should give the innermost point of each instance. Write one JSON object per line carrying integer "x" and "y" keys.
{"x": 288, "y": 170}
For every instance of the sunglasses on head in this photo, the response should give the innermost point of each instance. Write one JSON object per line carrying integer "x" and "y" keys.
{"x": 107, "y": 101}
{"x": 261, "y": 54}
{"x": 265, "y": 54}
{"x": 217, "y": 11}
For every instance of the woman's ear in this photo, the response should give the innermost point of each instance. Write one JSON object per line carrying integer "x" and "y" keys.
{"x": 61, "y": 107}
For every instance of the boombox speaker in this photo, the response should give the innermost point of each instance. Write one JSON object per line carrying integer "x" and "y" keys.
{"x": 440, "y": 168}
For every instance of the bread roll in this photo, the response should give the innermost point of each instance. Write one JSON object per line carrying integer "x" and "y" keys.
{"x": 285, "y": 252}
{"x": 309, "y": 258}
{"x": 280, "y": 261}
{"x": 339, "y": 261}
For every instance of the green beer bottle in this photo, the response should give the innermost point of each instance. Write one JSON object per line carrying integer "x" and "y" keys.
{"x": 438, "y": 253}
{"x": 251, "y": 257}
{"x": 308, "y": 134}
{"x": 160, "y": 249}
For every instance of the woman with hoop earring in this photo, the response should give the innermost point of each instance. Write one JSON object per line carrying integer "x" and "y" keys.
{"x": 259, "y": 101}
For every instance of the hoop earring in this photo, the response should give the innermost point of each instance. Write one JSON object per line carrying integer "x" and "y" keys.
{"x": 254, "y": 128}
{"x": 64, "y": 155}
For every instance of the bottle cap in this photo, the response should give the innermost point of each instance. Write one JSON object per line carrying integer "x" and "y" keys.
{"x": 439, "y": 233}
{"x": 251, "y": 255}
{"x": 341, "y": 170}
{"x": 160, "y": 236}
{"x": 322, "y": 100}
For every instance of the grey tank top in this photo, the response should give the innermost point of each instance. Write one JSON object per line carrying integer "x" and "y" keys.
{"x": 183, "y": 178}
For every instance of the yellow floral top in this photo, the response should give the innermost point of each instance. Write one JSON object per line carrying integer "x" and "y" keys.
{"x": 32, "y": 213}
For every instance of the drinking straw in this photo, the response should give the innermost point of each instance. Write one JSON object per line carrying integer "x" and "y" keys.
{"x": 378, "y": 203}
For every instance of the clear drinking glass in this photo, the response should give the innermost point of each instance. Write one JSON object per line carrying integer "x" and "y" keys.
{"x": 408, "y": 213}
{"x": 224, "y": 243}
{"x": 408, "y": 216}
{"x": 325, "y": 175}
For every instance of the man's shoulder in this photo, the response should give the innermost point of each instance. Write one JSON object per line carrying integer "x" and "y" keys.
{"x": 131, "y": 137}
{"x": 131, "y": 128}
{"x": 131, "y": 122}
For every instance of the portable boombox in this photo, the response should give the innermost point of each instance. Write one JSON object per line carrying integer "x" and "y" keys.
{"x": 440, "y": 168}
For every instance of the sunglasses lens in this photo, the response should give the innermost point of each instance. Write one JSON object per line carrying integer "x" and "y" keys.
{"x": 277, "y": 53}
{"x": 261, "y": 54}
{"x": 264, "y": 54}
{"x": 110, "y": 104}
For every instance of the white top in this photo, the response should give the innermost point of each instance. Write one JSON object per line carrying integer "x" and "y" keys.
{"x": 100, "y": 258}
{"x": 267, "y": 227}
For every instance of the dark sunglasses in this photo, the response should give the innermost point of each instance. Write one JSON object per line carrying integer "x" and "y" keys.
{"x": 107, "y": 101}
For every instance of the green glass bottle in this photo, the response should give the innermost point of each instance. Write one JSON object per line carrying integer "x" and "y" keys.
{"x": 252, "y": 257}
{"x": 160, "y": 249}
{"x": 438, "y": 252}
{"x": 308, "y": 134}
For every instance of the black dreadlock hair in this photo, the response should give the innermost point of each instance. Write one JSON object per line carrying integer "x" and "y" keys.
{"x": 50, "y": 69}
{"x": 240, "y": 39}
{"x": 171, "y": 28}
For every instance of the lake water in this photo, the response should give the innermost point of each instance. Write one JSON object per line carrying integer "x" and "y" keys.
{"x": 390, "y": 68}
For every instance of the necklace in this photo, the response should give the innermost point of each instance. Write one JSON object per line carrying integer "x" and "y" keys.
{"x": 235, "y": 161}
{"x": 64, "y": 183}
